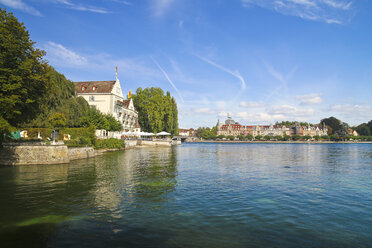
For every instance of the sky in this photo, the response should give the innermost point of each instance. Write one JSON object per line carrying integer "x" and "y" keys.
{"x": 259, "y": 61}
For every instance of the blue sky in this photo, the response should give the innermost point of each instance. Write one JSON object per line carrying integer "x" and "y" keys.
{"x": 259, "y": 60}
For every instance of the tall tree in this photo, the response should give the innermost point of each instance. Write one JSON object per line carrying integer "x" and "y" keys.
{"x": 61, "y": 98}
{"x": 156, "y": 111}
{"x": 334, "y": 123}
{"x": 22, "y": 72}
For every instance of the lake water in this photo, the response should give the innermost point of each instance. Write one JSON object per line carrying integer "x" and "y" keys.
{"x": 194, "y": 195}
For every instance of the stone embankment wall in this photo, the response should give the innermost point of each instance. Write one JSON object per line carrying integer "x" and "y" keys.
{"x": 131, "y": 143}
{"x": 35, "y": 154}
{"x": 156, "y": 143}
{"x": 81, "y": 152}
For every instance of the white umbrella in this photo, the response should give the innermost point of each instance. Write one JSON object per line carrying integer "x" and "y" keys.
{"x": 162, "y": 134}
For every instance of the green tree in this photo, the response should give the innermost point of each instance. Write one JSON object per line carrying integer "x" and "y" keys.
{"x": 221, "y": 136}
{"x": 296, "y": 137}
{"x": 22, "y": 72}
{"x": 99, "y": 120}
{"x": 258, "y": 137}
{"x": 58, "y": 120}
{"x": 249, "y": 137}
{"x": 114, "y": 125}
{"x": 332, "y": 122}
{"x": 156, "y": 111}
{"x": 240, "y": 137}
{"x": 230, "y": 137}
{"x": 363, "y": 129}
{"x": 60, "y": 98}
{"x": 286, "y": 138}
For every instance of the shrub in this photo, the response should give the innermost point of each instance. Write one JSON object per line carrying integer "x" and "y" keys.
{"x": 109, "y": 144}
{"x": 258, "y": 137}
{"x": 296, "y": 137}
{"x": 240, "y": 137}
{"x": 230, "y": 137}
{"x": 286, "y": 138}
{"x": 249, "y": 137}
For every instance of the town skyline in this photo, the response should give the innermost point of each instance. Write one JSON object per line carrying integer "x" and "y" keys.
{"x": 262, "y": 63}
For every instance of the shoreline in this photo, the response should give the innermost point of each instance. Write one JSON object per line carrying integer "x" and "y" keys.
{"x": 279, "y": 142}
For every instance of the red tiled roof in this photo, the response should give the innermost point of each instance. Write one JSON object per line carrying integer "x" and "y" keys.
{"x": 94, "y": 87}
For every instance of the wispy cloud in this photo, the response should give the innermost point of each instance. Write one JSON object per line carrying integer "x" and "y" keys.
{"x": 355, "y": 113}
{"x": 60, "y": 55}
{"x": 328, "y": 11}
{"x": 20, "y": 5}
{"x": 81, "y": 7}
{"x": 168, "y": 78}
{"x": 290, "y": 111}
{"x": 310, "y": 99}
{"x": 160, "y": 7}
{"x": 123, "y": 2}
{"x": 222, "y": 68}
{"x": 64, "y": 57}
{"x": 283, "y": 79}
{"x": 252, "y": 104}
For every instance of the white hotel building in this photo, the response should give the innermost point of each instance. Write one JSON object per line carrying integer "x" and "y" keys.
{"x": 108, "y": 97}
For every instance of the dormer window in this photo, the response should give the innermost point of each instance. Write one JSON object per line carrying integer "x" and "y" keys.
{"x": 94, "y": 88}
{"x": 83, "y": 88}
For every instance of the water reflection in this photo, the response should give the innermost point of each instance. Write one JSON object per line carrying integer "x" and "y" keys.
{"x": 196, "y": 195}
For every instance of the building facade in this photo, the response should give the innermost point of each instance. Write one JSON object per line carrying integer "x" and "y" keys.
{"x": 233, "y": 128}
{"x": 186, "y": 132}
{"x": 107, "y": 97}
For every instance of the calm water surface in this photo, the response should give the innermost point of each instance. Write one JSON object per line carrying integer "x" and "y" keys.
{"x": 195, "y": 195}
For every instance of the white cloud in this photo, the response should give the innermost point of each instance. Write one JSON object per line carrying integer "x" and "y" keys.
{"x": 328, "y": 11}
{"x": 205, "y": 111}
{"x": 81, "y": 7}
{"x": 310, "y": 99}
{"x": 222, "y": 114}
{"x": 168, "y": 78}
{"x": 338, "y": 4}
{"x": 19, "y": 4}
{"x": 63, "y": 57}
{"x": 353, "y": 112}
{"x": 160, "y": 7}
{"x": 252, "y": 104}
{"x": 124, "y": 2}
{"x": 290, "y": 111}
{"x": 60, "y": 55}
{"x": 233, "y": 73}
{"x": 258, "y": 118}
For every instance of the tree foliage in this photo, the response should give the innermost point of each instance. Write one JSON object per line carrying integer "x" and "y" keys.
{"x": 60, "y": 98}
{"x": 332, "y": 122}
{"x": 206, "y": 133}
{"x": 364, "y": 129}
{"x": 156, "y": 112}
{"x": 100, "y": 121}
{"x": 22, "y": 72}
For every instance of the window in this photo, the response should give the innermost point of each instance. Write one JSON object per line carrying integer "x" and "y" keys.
{"x": 83, "y": 88}
{"x": 91, "y": 98}
{"x": 94, "y": 88}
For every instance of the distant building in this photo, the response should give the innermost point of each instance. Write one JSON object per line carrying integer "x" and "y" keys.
{"x": 186, "y": 132}
{"x": 107, "y": 97}
{"x": 233, "y": 128}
